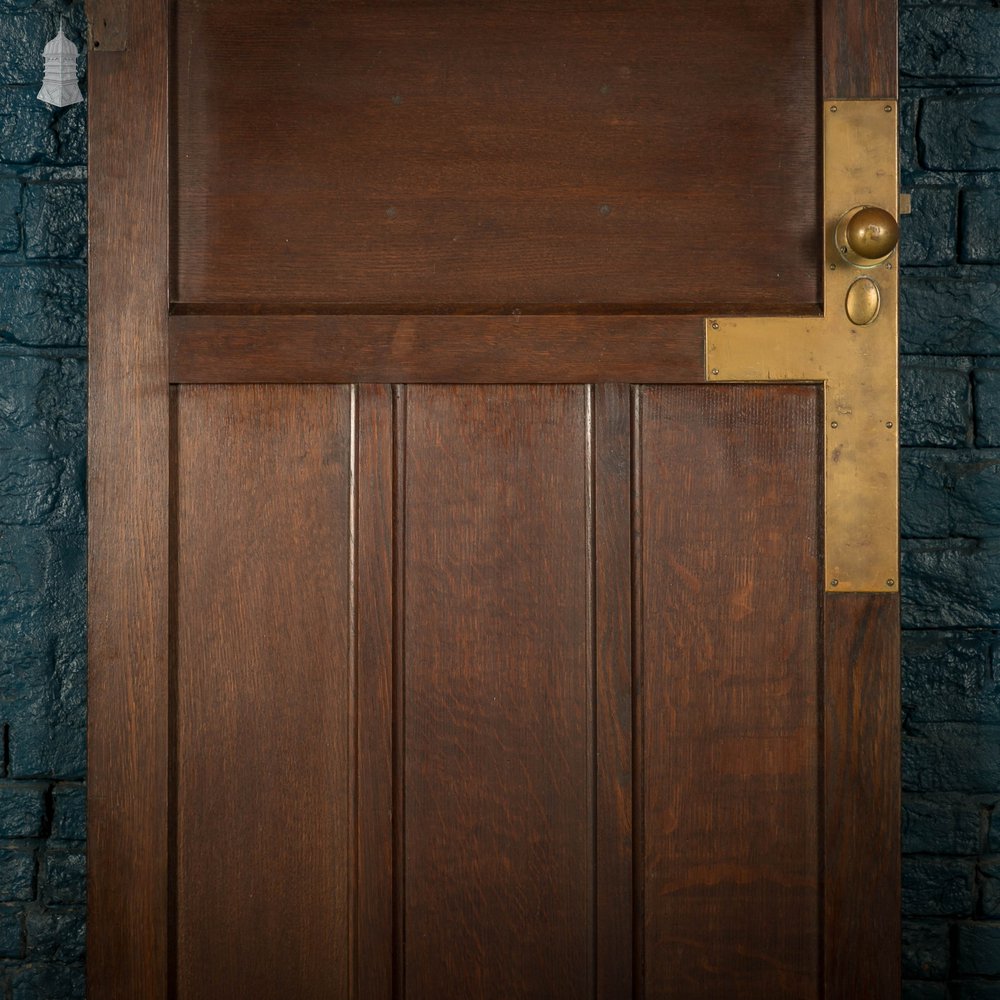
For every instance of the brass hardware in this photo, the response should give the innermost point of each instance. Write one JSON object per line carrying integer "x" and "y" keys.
{"x": 867, "y": 235}
{"x": 905, "y": 203}
{"x": 856, "y": 363}
{"x": 863, "y": 301}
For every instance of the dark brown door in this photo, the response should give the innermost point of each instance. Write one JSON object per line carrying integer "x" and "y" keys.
{"x": 484, "y": 605}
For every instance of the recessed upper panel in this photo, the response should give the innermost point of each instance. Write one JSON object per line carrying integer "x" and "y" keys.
{"x": 534, "y": 154}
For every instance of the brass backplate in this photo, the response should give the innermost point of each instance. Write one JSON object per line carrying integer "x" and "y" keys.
{"x": 856, "y": 364}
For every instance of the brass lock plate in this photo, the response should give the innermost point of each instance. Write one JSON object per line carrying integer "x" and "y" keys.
{"x": 857, "y": 364}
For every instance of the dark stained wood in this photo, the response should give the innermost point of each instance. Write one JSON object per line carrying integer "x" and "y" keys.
{"x": 266, "y": 755}
{"x": 559, "y": 724}
{"x": 128, "y": 494}
{"x": 436, "y": 348}
{"x": 862, "y": 711}
{"x": 450, "y": 154}
{"x": 374, "y": 491}
{"x": 613, "y": 644}
{"x": 859, "y": 49}
{"x": 499, "y": 692}
{"x": 730, "y": 687}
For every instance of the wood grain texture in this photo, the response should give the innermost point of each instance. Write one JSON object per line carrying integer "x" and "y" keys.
{"x": 128, "y": 497}
{"x": 730, "y": 686}
{"x": 859, "y": 49}
{"x": 499, "y": 690}
{"x": 374, "y": 569}
{"x": 265, "y": 692}
{"x": 862, "y": 810}
{"x": 613, "y": 732}
{"x": 451, "y": 154}
{"x": 451, "y": 349}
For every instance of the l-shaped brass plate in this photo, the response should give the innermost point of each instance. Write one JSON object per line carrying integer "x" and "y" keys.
{"x": 856, "y": 364}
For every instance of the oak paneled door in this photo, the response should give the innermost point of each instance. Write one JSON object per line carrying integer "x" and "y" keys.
{"x": 465, "y": 623}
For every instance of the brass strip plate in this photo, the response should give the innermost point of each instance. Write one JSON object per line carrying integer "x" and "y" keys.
{"x": 856, "y": 364}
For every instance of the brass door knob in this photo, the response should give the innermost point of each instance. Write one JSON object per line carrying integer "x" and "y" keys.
{"x": 866, "y": 235}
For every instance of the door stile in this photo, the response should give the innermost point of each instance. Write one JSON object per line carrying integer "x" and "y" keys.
{"x": 128, "y": 488}
{"x": 861, "y": 705}
{"x": 861, "y": 668}
{"x": 859, "y": 49}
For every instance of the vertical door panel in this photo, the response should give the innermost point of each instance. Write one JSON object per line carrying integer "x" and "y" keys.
{"x": 264, "y": 689}
{"x": 730, "y": 673}
{"x": 499, "y": 681}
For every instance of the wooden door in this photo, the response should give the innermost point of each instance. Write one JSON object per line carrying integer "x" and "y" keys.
{"x": 484, "y": 603}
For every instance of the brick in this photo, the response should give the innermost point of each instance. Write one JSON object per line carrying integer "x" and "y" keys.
{"x": 928, "y": 233}
{"x": 986, "y": 391}
{"x": 982, "y": 990}
{"x": 909, "y": 112}
{"x": 933, "y": 888}
{"x": 993, "y": 837}
{"x": 950, "y": 583}
{"x": 69, "y": 812}
{"x": 56, "y": 933}
{"x": 71, "y": 127}
{"x": 55, "y": 221}
{"x": 17, "y": 874}
{"x": 951, "y": 757}
{"x": 22, "y": 40}
{"x": 46, "y": 981}
{"x": 10, "y": 215}
{"x": 945, "y": 493}
{"x": 45, "y": 705}
{"x": 22, "y": 809}
{"x": 980, "y": 227}
{"x": 989, "y": 887}
{"x": 27, "y": 131}
{"x": 941, "y": 826}
{"x": 950, "y": 677}
{"x": 926, "y": 950}
{"x": 951, "y": 313}
{"x": 935, "y": 402}
{"x": 11, "y": 931}
{"x": 65, "y": 876}
{"x": 977, "y": 949}
{"x": 924, "y": 991}
{"x": 42, "y": 442}
{"x": 960, "y": 133}
{"x": 43, "y": 305}
{"x": 949, "y": 41}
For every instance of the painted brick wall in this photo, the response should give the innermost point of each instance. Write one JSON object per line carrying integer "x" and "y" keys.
{"x": 950, "y": 328}
{"x": 42, "y": 514}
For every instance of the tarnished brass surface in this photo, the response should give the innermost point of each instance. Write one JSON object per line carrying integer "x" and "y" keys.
{"x": 857, "y": 364}
{"x": 863, "y": 302}
{"x": 867, "y": 235}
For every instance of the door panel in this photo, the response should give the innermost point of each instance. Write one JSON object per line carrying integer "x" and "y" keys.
{"x": 497, "y": 155}
{"x": 498, "y": 692}
{"x": 264, "y": 682}
{"x": 731, "y": 684}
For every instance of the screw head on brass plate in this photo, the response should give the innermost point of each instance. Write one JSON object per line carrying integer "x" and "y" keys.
{"x": 866, "y": 235}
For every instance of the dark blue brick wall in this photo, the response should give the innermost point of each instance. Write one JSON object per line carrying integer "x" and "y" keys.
{"x": 42, "y": 515}
{"x": 950, "y": 432}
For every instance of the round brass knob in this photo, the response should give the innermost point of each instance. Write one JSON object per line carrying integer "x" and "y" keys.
{"x": 866, "y": 235}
